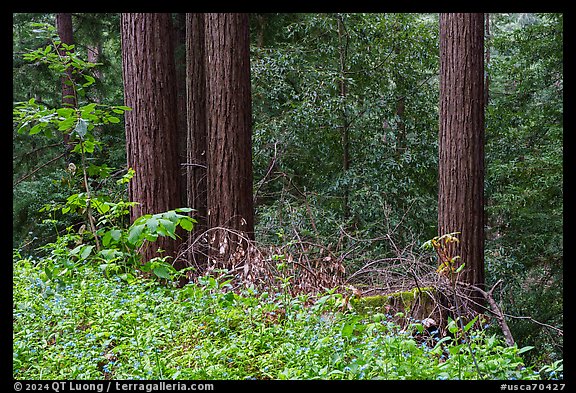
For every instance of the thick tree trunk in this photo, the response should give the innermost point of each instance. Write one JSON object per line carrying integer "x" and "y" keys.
{"x": 150, "y": 90}
{"x": 196, "y": 135}
{"x": 230, "y": 202}
{"x": 461, "y": 141}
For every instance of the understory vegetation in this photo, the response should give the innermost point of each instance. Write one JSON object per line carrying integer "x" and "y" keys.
{"x": 334, "y": 221}
{"x": 97, "y": 327}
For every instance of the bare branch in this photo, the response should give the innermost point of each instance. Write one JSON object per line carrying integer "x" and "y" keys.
{"x": 37, "y": 169}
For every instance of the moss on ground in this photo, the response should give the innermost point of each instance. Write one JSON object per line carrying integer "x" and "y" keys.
{"x": 417, "y": 302}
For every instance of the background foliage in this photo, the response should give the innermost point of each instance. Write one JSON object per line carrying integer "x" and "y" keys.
{"x": 300, "y": 184}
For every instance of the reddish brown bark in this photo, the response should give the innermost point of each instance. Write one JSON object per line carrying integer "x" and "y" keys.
{"x": 229, "y": 126}
{"x": 180, "y": 65}
{"x": 461, "y": 139}
{"x": 196, "y": 166}
{"x": 151, "y": 136}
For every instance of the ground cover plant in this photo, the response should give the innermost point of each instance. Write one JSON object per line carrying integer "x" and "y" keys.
{"x": 98, "y": 327}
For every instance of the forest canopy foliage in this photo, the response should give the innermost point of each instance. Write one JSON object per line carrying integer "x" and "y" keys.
{"x": 345, "y": 167}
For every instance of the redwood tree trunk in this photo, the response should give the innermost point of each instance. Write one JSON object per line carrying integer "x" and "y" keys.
{"x": 196, "y": 136}
{"x": 179, "y": 22}
{"x": 461, "y": 140}
{"x": 229, "y": 128}
{"x": 151, "y": 137}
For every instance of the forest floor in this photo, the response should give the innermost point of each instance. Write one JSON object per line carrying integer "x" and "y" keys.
{"x": 89, "y": 326}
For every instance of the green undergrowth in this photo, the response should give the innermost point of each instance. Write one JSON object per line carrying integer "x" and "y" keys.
{"x": 98, "y": 327}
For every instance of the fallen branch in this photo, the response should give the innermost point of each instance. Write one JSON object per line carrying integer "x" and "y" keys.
{"x": 560, "y": 331}
{"x": 496, "y": 311}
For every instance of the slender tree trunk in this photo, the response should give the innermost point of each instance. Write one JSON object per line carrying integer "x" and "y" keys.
{"x": 230, "y": 201}
{"x": 179, "y": 34}
{"x": 196, "y": 135}
{"x": 180, "y": 61}
{"x": 94, "y": 52}
{"x": 65, "y": 32}
{"x": 345, "y": 122}
{"x": 400, "y": 109}
{"x": 150, "y": 90}
{"x": 261, "y": 28}
{"x": 400, "y": 125}
{"x": 487, "y": 62}
{"x": 461, "y": 140}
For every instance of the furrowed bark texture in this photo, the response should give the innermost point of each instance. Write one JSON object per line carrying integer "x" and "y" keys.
{"x": 196, "y": 169}
{"x": 461, "y": 140}
{"x": 179, "y": 24}
{"x": 150, "y": 90}
{"x": 229, "y": 122}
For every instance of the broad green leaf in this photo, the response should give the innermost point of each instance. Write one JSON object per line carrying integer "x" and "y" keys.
{"x": 162, "y": 272}
{"x": 88, "y": 146}
{"x": 470, "y": 324}
{"x": 104, "y": 208}
{"x": 134, "y": 234}
{"x": 151, "y": 236}
{"x": 347, "y": 329}
{"x": 168, "y": 225}
{"x": 152, "y": 224}
{"x": 171, "y": 215}
{"x": 454, "y": 350}
{"x": 86, "y": 252}
{"x": 109, "y": 254}
{"x": 88, "y": 109}
{"x": 67, "y": 123}
{"x": 81, "y": 128}
{"x": 525, "y": 349}
{"x": 115, "y": 233}
{"x": 129, "y": 278}
{"x": 442, "y": 340}
{"x": 89, "y": 80}
{"x": 106, "y": 239}
{"x": 66, "y": 112}
{"x": 36, "y": 129}
{"x": 76, "y": 250}
{"x": 452, "y": 326}
{"x": 186, "y": 224}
